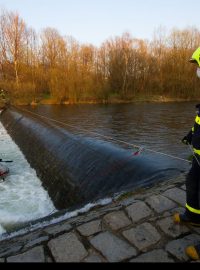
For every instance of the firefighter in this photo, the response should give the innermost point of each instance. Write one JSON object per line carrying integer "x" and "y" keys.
{"x": 191, "y": 215}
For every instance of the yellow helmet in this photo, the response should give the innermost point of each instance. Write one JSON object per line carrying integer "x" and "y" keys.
{"x": 196, "y": 57}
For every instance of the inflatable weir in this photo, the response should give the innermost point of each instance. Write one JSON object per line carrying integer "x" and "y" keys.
{"x": 77, "y": 170}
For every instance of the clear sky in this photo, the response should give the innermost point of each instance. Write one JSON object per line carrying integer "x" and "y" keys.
{"x": 94, "y": 21}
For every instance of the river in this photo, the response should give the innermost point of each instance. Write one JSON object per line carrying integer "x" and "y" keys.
{"x": 156, "y": 127}
{"x": 22, "y": 196}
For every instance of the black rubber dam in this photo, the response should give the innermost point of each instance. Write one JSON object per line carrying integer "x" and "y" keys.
{"x": 76, "y": 170}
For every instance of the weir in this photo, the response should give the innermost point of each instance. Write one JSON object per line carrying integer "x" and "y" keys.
{"x": 76, "y": 170}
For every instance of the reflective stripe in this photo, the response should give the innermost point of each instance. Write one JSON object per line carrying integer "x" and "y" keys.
{"x": 197, "y": 120}
{"x": 193, "y": 129}
{"x": 195, "y": 211}
{"x": 196, "y": 151}
{"x": 196, "y": 56}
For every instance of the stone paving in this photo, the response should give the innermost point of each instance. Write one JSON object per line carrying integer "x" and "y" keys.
{"x": 136, "y": 227}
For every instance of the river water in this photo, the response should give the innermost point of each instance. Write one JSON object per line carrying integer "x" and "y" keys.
{"x": 153, "y": 126}
{"x": 156, "y": 126}
{"x": 22, "y": 195}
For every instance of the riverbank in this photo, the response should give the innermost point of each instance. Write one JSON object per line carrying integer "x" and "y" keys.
{"x": 112, "y": 100}
{"x": 135, "y": 227}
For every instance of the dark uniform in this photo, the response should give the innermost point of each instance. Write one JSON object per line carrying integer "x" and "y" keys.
{"x": 192, "y": 213}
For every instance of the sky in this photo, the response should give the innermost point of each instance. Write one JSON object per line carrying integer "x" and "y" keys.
{"x": 95, "y": 21}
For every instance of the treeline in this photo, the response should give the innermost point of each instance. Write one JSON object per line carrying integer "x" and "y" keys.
{"x": 47, "y": 65}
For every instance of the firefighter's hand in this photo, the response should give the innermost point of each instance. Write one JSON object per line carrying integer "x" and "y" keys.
{"x": 185, "y": 140}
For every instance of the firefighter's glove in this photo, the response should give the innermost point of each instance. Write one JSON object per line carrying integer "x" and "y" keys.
{"x": 185, "y": 140}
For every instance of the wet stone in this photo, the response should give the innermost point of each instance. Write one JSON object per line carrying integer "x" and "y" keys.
{"x": 28, "y": 237}
{"x": 117, "y": 220}
{"x": 184, "y": 187}
{"x": 196, "y": 229}
{"x": 8, "y": 251}
{"x": 171, "y": 229}
{"x": 127, "y": 201}
{"x": 177, "y": 195}
{"x": 92, "y": 216}
{"x": 90, "y": 228}
{"x": 48, "y": 259}
{"x": 67, "y": 248}
{"x": 138, "y": 211}
{"x": 143, "y": 236}
{"x": 125, "y": 235}
{"x": 180, "y": 210}
{"x": 108, "y": 209}
{"x": 156, "y": 256}
{"x": 93, "y": 257}
{"x": 112, "y": 247}
{"x": 33, "y": 255}
{"x": 177, "y": 247}
{"x": 160, "y": 203}
{"x": 77, "y": 221}
{"x": 56, "y": 229}
{"x": 37, "y": 241}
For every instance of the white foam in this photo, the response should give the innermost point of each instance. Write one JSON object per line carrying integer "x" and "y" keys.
{"x": 22, "y": 197}
{"x": 2, "y": 230}
{"x": 64, "y": 217}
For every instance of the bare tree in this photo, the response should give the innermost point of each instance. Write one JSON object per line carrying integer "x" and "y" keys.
{"x": 13, "y": 36}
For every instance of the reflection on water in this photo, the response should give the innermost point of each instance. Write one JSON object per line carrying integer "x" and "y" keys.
{"x": 159, "y": 127}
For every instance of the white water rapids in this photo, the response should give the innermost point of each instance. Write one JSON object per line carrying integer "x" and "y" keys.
{"x": 22, "y": 197}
